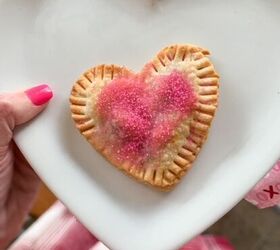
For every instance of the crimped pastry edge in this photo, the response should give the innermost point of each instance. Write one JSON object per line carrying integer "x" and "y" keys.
{"x": 207, "y": 91}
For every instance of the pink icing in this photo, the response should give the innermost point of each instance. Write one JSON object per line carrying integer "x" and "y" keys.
{"x": 137, "y": 119}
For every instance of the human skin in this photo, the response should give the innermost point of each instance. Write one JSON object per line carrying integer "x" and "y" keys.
{"x": 18, "y": 182}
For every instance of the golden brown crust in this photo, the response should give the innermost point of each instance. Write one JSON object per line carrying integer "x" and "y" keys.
{"x": 194, "y": 60}
{"x": 207, "y": 84}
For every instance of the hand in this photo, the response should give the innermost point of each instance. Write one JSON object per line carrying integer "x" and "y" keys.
{"x": 18, "y": 182}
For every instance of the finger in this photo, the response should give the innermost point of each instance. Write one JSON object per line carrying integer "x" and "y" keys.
{"x": 27, "y": 104}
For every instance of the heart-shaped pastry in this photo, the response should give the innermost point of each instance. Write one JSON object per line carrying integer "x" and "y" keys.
{"x": 151, "y": 125}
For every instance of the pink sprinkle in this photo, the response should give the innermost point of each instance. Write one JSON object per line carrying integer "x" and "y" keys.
{"x": 138, "y": 120}
{"x": 175, "y": 93}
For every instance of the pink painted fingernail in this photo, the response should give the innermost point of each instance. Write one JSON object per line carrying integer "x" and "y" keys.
{"x": 40, "y": 94}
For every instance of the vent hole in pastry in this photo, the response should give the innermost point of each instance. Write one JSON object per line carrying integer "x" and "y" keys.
{"x": 205, "y": 52}
{"x": 102, "y": 72}
{"x": 202, "y": 63}
{"x": 197, "y": 56}
{"x": 175, "y": 48}
{"x": 93, "y": 72}
{"x": 154, "y": 175}
{"x": 161, "y": 61}
{"x": 169, "y": 57}
{"x": 154, "y": 67}
{"x": 112, "y": 71}
{"x": 184, "y": 55}
{"x": 81, "y": 85}
{"x": 87, "y": 77}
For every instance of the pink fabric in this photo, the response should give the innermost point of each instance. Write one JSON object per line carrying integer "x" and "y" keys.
{"x": 58, "y": 229}
{"x": 208, "y": 242}
{"x": 267, "y": 192}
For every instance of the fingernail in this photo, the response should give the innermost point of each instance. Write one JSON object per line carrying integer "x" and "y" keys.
{"x": 40, "y": 94}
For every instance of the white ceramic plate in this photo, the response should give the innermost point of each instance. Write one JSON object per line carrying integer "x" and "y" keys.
{"x": 56, "y": 40}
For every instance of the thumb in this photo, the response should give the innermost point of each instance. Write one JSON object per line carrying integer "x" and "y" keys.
{"x": 27, "y": 104}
